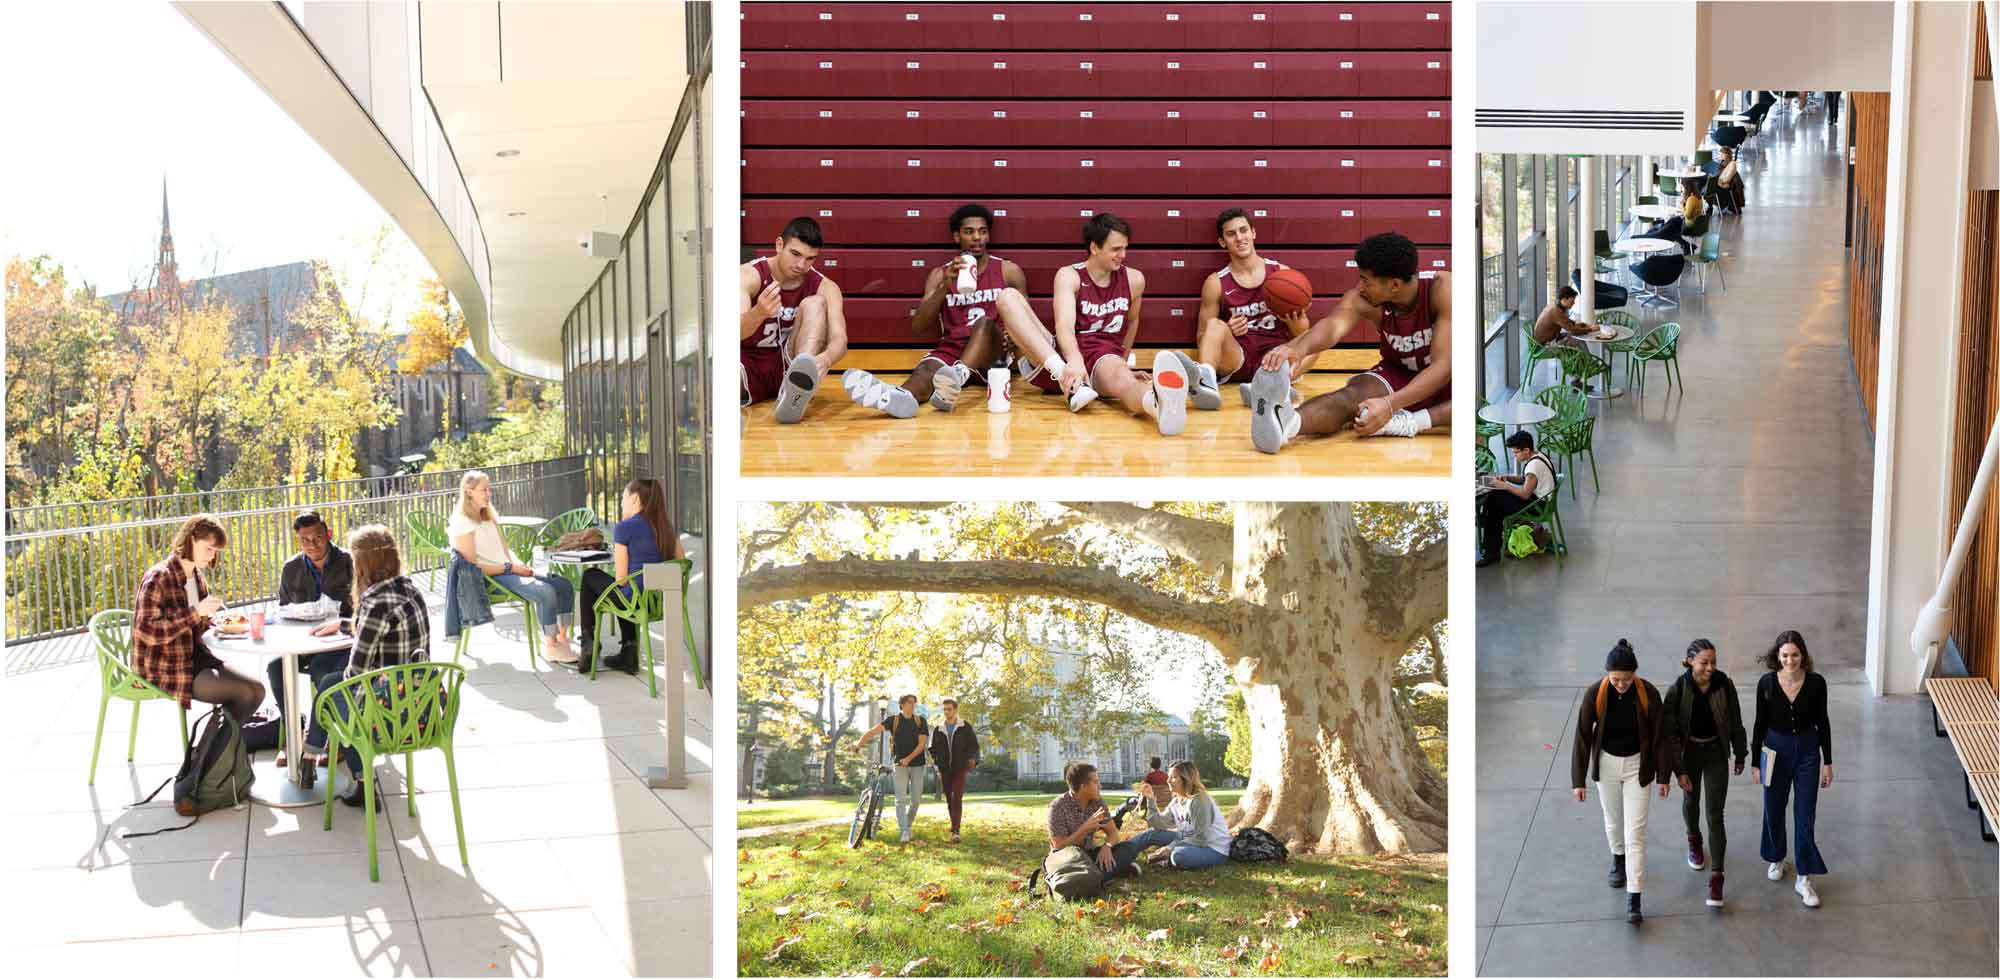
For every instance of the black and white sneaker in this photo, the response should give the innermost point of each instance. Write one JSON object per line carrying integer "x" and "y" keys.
{"x": 801, "y": 381}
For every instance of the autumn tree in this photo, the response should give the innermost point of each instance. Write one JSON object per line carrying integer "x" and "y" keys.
{"x": 1311, "y": 605}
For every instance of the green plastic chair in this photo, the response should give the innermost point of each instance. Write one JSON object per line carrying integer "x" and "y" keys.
{"x": 642, "y": 608}
{"x": 1662, "y": 345}
{"x": 112, "y": 630}
{"x": 520, "y": 540}
{"x": 1703, "y": 158}
{"x": 1579, "y": 364}
{"x": 1486, "y": 430}
{"x": 1571, "y": 431}
{"x": 1669, "y": 187}
{"x": 1532, "y": 353}
{"x": 1482, "y": 459}
{"x": 428, "y": 539}
{"x": 1606, "y": 258}
{"x": 1612, "y": 348}
{"x": 396, "y": 710}
{"x": 1541, "y": 511}
{"x": 1649, "y": 199}
{"x": 1710, "y": 255}
{"x": 576, "y": 519}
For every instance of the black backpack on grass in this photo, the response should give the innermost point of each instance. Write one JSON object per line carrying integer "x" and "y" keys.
{"x": 215, "y": 774}
{"x": 1070, "y": 875}
{"x": 1253, "y": 845}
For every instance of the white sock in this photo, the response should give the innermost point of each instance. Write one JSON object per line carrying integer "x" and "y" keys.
{"x": 1423, "y": 419}
{"x": 1055, "y": 366}
{"x": 1150, "y": 402}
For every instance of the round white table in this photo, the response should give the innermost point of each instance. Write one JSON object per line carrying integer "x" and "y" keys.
{"x": 290, "y": 787}
{"x": 1731, "y": 117}
{"x": 1685, "y": 173}
{"x": 1654, "y": 212}
{"x": 1516, "y": 414}
{"x": 1605, "y": 389}
{"x": 535, "y": 522}
{"x": 1643, "y": 246}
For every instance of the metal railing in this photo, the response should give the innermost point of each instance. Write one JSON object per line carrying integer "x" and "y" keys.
{"x": 68, "y": 561}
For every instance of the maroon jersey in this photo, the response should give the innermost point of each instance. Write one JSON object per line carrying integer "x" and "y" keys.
{"x": 1248, "y": 302}
{"x": 961, "y": 313}
{"x": 1406, "y": 337}
{"x": 776, "y": 332}
{"x": 1101, "y": 310}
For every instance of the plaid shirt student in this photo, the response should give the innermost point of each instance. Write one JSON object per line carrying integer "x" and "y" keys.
{"x": 392, "y": 626}
{"x": 166, "y": 630}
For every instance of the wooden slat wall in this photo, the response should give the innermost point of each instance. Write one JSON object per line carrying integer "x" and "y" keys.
{"x": 1982, "y": 59}
{"x": 1977, "y": 625}
{"x": 1870, "y": 114}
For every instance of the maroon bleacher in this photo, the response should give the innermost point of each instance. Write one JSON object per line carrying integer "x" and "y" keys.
{"x": 1328, "y": 122}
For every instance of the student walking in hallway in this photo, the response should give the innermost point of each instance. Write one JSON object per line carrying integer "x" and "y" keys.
{"x": 1704, "y": 727}
{"x": 1793, "y": 745}
{"x": 1618, "y": 746}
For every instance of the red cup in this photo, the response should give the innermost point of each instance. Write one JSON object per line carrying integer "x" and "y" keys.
{"x": 257, "y": 626}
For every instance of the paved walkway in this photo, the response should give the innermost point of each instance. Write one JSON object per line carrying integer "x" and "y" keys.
{"x": 1735, "y": 511}
{"x": 577, "y": 868}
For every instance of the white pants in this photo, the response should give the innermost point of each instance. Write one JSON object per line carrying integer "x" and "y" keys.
{"x": 1624, "y": 802}
{"x": 909, "y": 782}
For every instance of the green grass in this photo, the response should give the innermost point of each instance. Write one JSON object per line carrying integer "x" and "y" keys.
{"x": 809, "y": 808}
{"x": 807, "y": 905}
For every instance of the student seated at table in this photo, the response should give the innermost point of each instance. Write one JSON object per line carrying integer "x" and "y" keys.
{"x": 636, "y": 542}
{"x": 171, "y": 611}
{"x": 1511, "y": 494}
{"x": 474, "y": 530}
{"x": 1554, "y": 325}
{"x": 320, "y": 569}
{"x": 1691, "y": 202}
{"x": 1729, "y": 182}
{"x": 391, "y": 627}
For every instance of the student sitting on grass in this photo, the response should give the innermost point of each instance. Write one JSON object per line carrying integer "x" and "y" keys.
{"x": 1201, "y": 834}
{"x": 1077, "y": 816}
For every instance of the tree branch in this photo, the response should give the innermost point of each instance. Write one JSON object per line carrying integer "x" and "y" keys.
{"x": 1203, "y": 542}
{"x": 1216, "y": 622}
{"x": 1406, "y": 592}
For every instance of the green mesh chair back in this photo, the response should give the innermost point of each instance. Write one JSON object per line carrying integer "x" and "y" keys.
{"x": 111, "y": 632}
{"x": 1661, "y": 346}
{"x": 1618, "y": 317}
{"x": 642, "y": 607}
{"x": 1579, "y": 364}
{"x": 576, "y": 519}
{"x": 1533, "y": 352}
{"x": 1486, "y": 430}
{"x": 1545, "y": 511}
{"x": 521, "y": 541}
{"x": 1482, "y": 459}
{"x": 396, "y": 710}
{"x": 1569, "y": 403}
{"x": 428, "y": 539}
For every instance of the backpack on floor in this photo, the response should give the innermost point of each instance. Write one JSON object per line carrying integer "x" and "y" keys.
{"x": 1071, "y": 875}
{"x": 215, "y": 774}
{"x": 1522, "y": 541}
{"x": 1253, "y": 845}
{"x": 260, "y": 732}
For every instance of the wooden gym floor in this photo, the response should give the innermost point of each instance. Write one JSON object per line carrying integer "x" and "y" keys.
{"x": 1040, "y": 437}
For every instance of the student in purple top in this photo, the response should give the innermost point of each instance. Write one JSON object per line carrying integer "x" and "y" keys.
{"x": 636, "y": 542}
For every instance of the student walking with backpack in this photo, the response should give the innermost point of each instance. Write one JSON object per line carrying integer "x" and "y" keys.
{"x": 1792, "y": 745}
{"x": 1618, "y": 745}
{"x": 1703, "y": 723}
{"x": 909, "y": 735}
{"x": 955, "y": 752}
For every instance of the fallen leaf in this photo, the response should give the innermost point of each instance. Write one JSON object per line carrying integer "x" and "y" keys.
{"x": 1269, "y": 963}
{"x": 843, "y": 904}
{"x": 747, "y": 881}
{"x": 875, "y": 969}
{"x": 1004, "y": 918}
{"x": 821, "y": 845}
{"x": 1017, "y": 884}
{"x": 783, "y": 943}
{"x": 1158, "y": 935}
{"x": 795, "y": 853}
{"x": 743, "y": 856}
{"x": 951, "y": 870}
{"x": 1126, "y": 908}
{"x": 913, "y": 965}
{"x": 1230, "y": 953}
{"x": 924, "y": 908}
{"x": 866, "y": 901}
{"x": 782, "y": 910}
{"x": 838, "y": 884}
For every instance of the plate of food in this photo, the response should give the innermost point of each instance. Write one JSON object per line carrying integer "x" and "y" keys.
{"x": 232, "y": 623}
{"x": 1608, "y": 333}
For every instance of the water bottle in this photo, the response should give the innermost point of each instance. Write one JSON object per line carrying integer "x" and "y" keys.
{"x": 998, "y": 401}
{"x": 968, "y": 279}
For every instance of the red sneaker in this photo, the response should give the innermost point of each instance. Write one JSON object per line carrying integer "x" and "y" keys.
{"x": 1696, "y": 858}
{"x": 1715, "y": 890}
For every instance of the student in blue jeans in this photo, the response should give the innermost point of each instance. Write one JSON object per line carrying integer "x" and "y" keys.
{"x": 1200, "y": 832}
{"x": 1792, "y": 723}
{"x": 474, "y": 531}
{"x": 1077, "y": 816}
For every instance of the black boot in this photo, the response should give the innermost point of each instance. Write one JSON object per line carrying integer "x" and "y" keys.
{"x": 1617, "y": 876}
{"x": 1632, "y": 909}
{"x": 626, "y": 660}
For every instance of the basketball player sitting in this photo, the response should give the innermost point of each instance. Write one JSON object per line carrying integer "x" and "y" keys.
{"x": 1097, "y": 321}
{"x": 792, "y": 323}
{"x": 1408, "y": 392}
{"x": 966, "y": 323}
{"x": 1237, "y": 327}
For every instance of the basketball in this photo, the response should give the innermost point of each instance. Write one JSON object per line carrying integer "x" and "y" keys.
{"x": 1287, "y": 291}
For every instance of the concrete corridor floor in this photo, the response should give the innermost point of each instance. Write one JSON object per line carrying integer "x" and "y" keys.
{"x": 1730, "y": 511}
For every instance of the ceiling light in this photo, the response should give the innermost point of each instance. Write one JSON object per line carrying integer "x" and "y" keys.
{"x": 505, "y": 154}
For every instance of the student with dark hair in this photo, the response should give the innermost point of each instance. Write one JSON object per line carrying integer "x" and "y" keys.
{"x": 1792, "y": 747}
{"x": 793, "y": 325}
{"x": 1235, "y": 326}
{"x": 319, "y": 570}
{"x": 643, "y": 535}
{"x": 1407, "y": 393}
{"x": 955, "y": 752}
{"x": 1704, "y": 725}
{"x": 1077, "y": 816}
{"x": 1618, "y": 746}
{"x": 171, "y": 611}
{"x": 1554, "y": 324}
{"x": 1508, "y": 494}
{"x": 909, "y": 735}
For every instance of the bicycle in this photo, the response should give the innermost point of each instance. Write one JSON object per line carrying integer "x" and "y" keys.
{"x": 868, "y": 810}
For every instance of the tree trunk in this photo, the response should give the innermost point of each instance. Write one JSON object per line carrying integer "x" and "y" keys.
{"x": 1334, "y": 766}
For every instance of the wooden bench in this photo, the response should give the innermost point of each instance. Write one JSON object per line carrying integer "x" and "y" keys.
{"x": 902, "y": 360}
{"x": 1965, "y": 709}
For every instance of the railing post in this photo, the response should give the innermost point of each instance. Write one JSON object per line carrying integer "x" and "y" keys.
{"x": 666, "y": 577}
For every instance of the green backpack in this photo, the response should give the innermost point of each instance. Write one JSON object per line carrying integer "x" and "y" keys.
{"x": 1521, "y": 542}
{"x": 1070, "y": 874}
{"x": 215, "y": 774}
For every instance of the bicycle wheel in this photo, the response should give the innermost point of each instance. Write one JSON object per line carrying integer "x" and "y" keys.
{"x": 859, "y": 828}
{"x": 875, "y": 815}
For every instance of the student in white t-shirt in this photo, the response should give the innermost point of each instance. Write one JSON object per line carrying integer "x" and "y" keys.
{"x": 1511, "y": 494}
{"x": 474, "y": 530}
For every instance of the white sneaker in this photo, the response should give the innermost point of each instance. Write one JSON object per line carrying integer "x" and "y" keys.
{"x": 1806, "y": 892}
{"x": 1083, "y": 395}
{"x": 1402, "y": 424}
{"x": 946, "y": 384}
{"x": 1170, "y": 392}
{"x": 1775, "y": 872}
{"x": 869, "y": 391}
{"x": 1273, "y": 421}
{"x": 801, "y": 380}
{"x": 906, "y": 836}
{"x": 1204, "y": 393}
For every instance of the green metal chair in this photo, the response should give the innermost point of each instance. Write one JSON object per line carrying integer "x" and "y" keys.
{"x": 428, "y": 539}
{"x": 563, "y": 523}
{"x": 1571, "y": 431}
{"x": 1532, "y": 353}
{"x": 396, "y": 710}
{"x": 1710, "y": 255}
{"x": 643, "y": 607}
{"x": 1606, "y": 258}
{"x": 1541, "y": 511}
{"x": 1662, "y": 345}
{"x": 520, "y": 540}
{"x": 1483, "y": 461}
{"x": 1579, "y": 364}
{"x": 112, "y": 631}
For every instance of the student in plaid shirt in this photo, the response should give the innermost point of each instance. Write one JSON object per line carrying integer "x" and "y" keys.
{"x": 172, "y": 610}
{"x": 391, "y": 626}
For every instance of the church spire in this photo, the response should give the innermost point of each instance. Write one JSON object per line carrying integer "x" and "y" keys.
{"x": 166, "y": 281}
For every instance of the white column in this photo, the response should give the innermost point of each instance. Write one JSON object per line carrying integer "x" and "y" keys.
{"x": 665, "y": 577}
{"x": 1586, "y": 238}
{"x": 1924, "y": 232}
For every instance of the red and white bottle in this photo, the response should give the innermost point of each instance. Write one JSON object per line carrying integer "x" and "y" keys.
{"x": 968, "y": 275}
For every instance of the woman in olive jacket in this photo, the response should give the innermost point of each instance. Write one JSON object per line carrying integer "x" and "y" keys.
{"x": 1618, "y": 746}
{"x": 1704, "y": 723}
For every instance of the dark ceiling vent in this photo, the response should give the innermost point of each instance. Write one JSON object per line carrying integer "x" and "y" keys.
{"x": 1578, "y": 119}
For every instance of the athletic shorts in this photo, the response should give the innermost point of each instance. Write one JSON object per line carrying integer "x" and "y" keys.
{"x": 1255, "y": 345}
{"x": 762, "y": 376}
{"x": 1092, "y": 351}
{"x": 1396, "y": 378}
{"x": 950, "y": 348}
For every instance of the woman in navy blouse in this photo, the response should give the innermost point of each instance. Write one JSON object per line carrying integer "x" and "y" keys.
{"x": 1792, "y": 747}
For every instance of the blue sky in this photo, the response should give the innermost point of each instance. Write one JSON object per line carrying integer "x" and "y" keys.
{"x": 105, "y": 98}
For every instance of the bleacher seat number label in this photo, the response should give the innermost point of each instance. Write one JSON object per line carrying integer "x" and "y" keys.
{"x": 1437, "y": 163}
{"x": 1436, "y": 213}
{"x": 999, "y": 163}
{"x": 1346, "y": 65}
{"x": 913, "y": 16}
{"x": 1173, "y": 212}
{"x": 826, "y": 113}
{"x": 826, "y": 64}
{"x": 1347, "y": 113}
{"x": 1347, "y": 163}
{"x": 1430, "y": 17}
{"x": 999, "y": 113}
{"x": 826, "y": 214}
{"x": 1089, "y": 163}
{"x": 1346, "y": 16}
{"x": 1084, "y": 17}
{"x": 913, "y": 213}
{"x": 826, "y": 16}
{"x": 1346, "y": 214}
{"x": 1173, "y": 113}
{"x": 1435, "y": 114}
{"x": 1434, "y": 64}
{"x": 1173, "y": 16}
{"x": 1259, "y": 114}
{"x": 1260, "y": 212}
{"x": 1086, "y": 114}
{"x": 1261, "y": 163}
{"x": 1173, "y": 66}
{"x": 1257, "y": 65}
{"x": 912, "y": 65}
{"x": 1173, "y": 163}
{"x": 1085, "y": 65}
{"x": 913, "y": 114}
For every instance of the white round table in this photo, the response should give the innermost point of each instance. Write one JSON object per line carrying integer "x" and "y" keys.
{"x": 535, "y": 522}
{"x": 1643, "y": 246}
{"x": 292, "y": 786}
{"x": 1516, "y": 414}
{"x": 1605, "y": 389}
{"x": 1731, "y": 117}
{"x": 1686, "y": 173}
{"x": 1654, "y": 212}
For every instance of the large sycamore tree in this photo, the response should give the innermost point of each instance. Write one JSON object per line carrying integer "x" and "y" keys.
{"x": 1312, "y": 606}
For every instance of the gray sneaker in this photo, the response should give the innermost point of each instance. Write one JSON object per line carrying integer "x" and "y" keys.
{"x": 801, "y": 380}
{"x": 1201, "y": 393}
